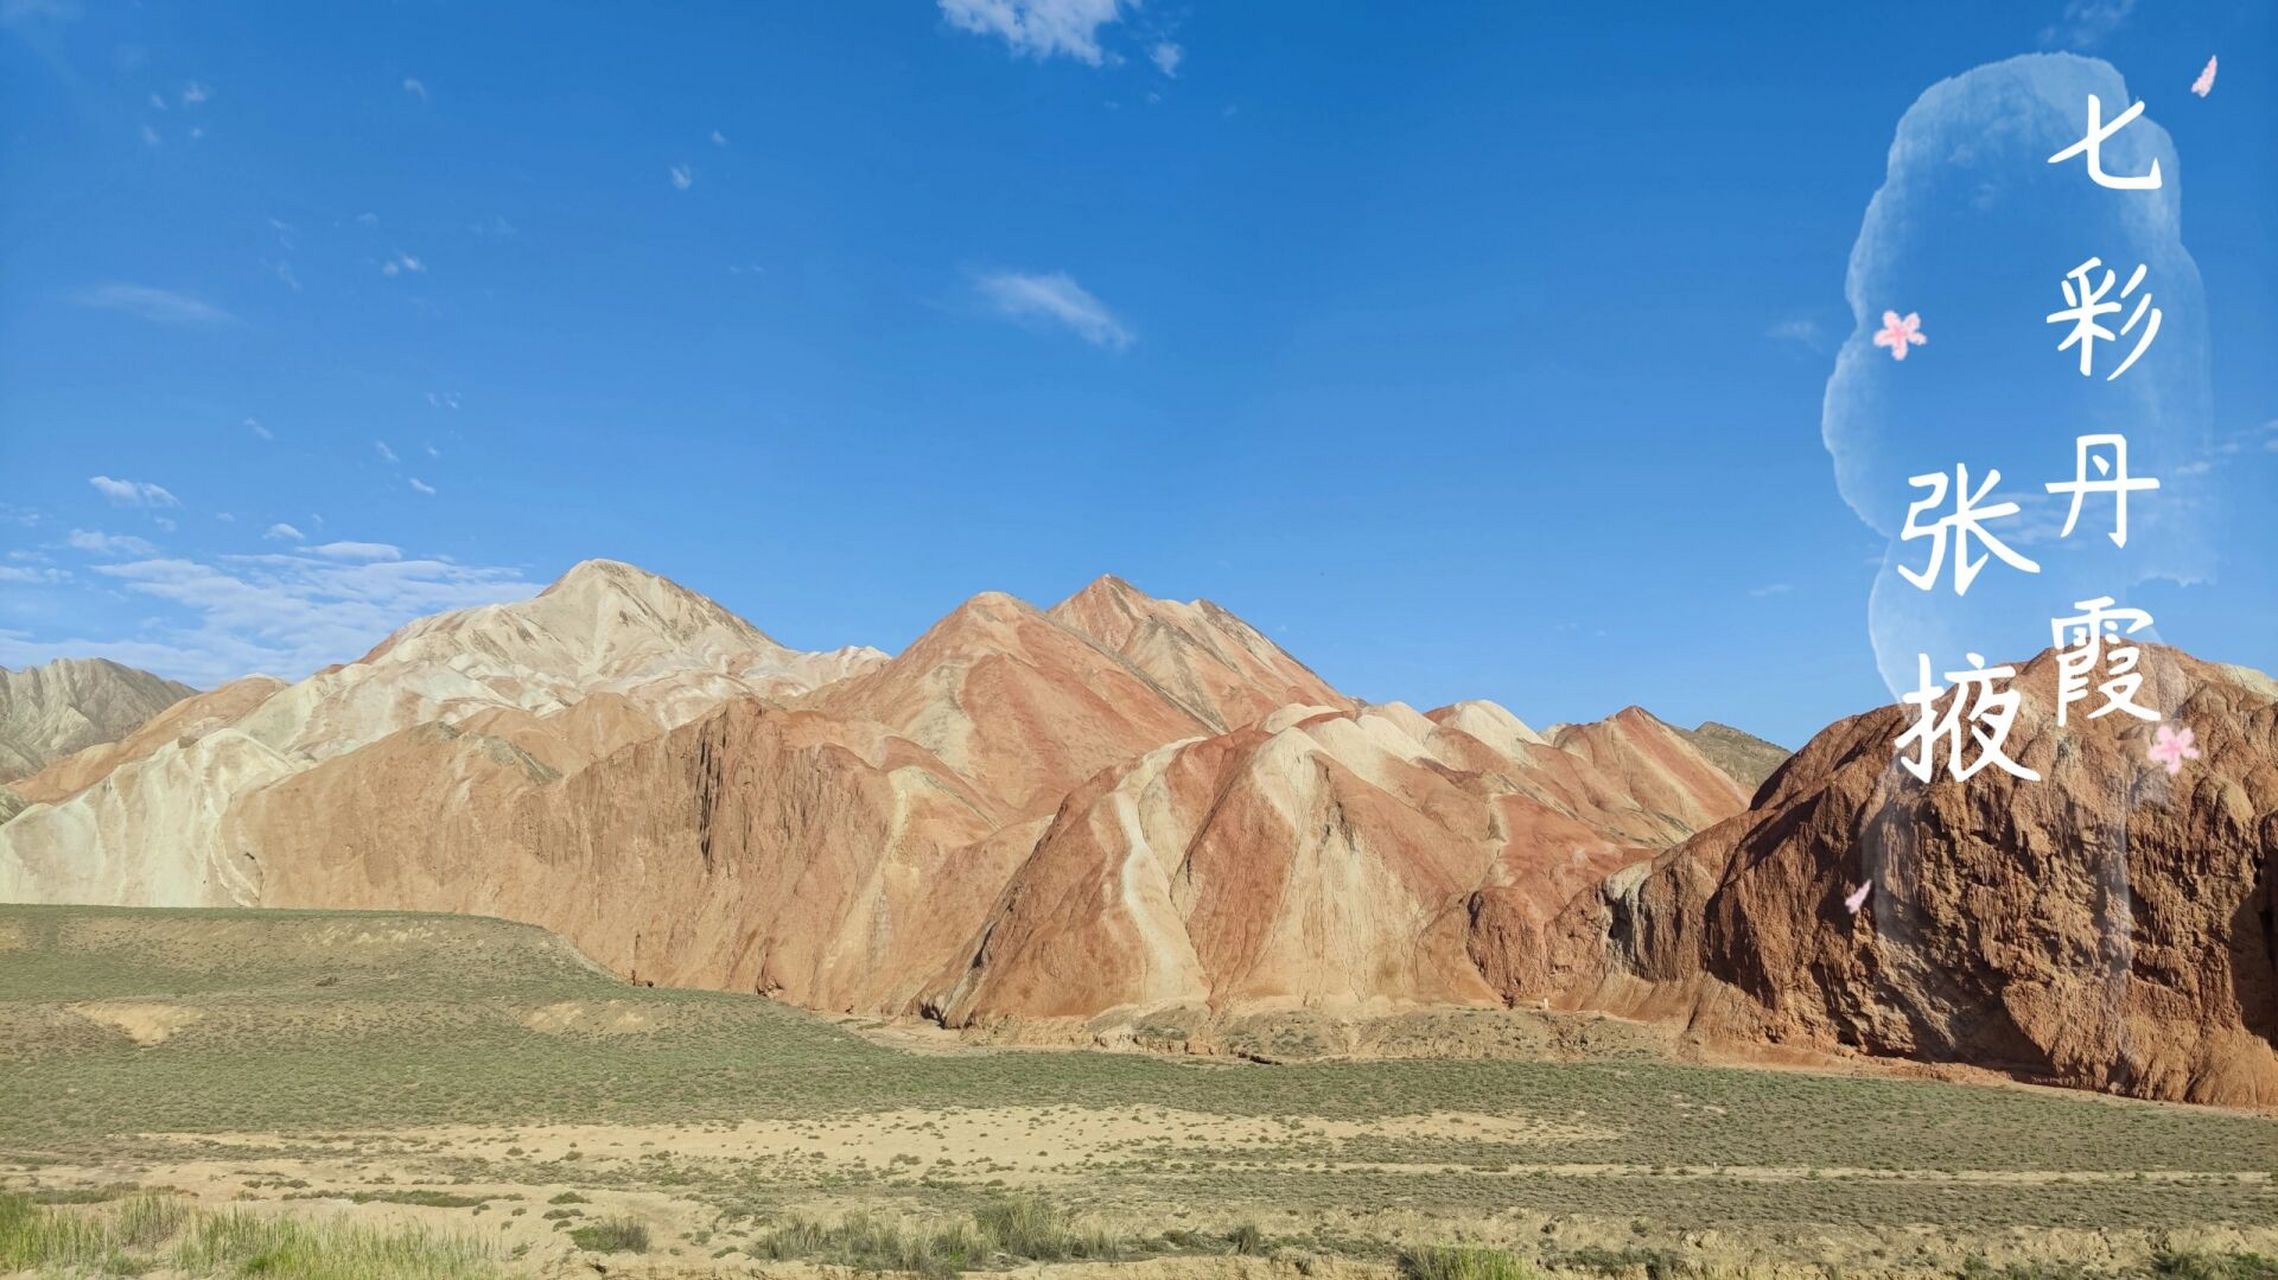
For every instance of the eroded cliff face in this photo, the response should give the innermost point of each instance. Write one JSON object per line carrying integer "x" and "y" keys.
{"x": 2108, "y": 927}
{"x": 1352, "y": 861}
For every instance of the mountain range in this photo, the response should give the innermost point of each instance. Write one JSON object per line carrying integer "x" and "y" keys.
{"x": 1067, "y": 822}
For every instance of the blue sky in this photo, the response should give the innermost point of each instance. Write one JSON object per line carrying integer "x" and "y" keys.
{"x": 1476, "y": 354}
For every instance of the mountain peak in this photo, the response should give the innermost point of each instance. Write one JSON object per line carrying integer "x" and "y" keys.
{"x": 586, "y": 573}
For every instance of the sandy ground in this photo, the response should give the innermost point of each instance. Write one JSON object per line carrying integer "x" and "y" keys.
{"x": 631, "y": 1170}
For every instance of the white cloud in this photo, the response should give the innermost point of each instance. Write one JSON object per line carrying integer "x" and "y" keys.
{"x": 287, "y": 614}
{"x": 96, "y": 542}
{"x": 401, "y": 263}
{"x": 415, "y": 88}
{"x": 1771, "y": 589}
{"x": 133, "y": 493}
{"x": 31, "y": 576}
{"x": 719, "y": 139}
{"x": 1038, "y": 28}
{"x": 358, "y": 551}
{"x": 386, "y": 454}
{"x": 443, "y": 399}
{"x": 194, "y": 93}
{"x": 421, "y": 486}
{"x": 254, "y": 425}
{"x": 1166, "y": 57}
{"x": 282, "y": 532}
{"x": 682, "y": 177}
{"x": 150, "y": 137}
{"x": 1055, "y": 298}
{"x": 159, "y": 306}
{"x": 2087, "y": 23}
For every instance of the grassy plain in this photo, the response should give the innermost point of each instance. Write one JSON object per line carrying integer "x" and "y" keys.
{"x": 408, "y": 1085}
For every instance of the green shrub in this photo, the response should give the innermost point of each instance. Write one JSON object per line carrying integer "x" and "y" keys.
{"x": 1435, "y": 1263}
{"x": 611, "y": 1235}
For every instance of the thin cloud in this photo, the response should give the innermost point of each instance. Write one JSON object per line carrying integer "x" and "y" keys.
{"x": 415, "y": 88}
{"x": 358, "y": 551}
{"x": 96, "y": 542}
{"x": 1057, "y": 299}
{"x": 682, "y": 177}
{"x": 1167, "y": 56}
{"x": 2087, "y": 23}
{"x": 282, "y": 532}
{"x": 402, "y": 263}
{"x": 719, "y": 139}
{"x": 159, "y": 306}
{"x": 421, "y": 486}
{"x": 1801, "y": 330}
{"x": 195, "y": 93}
{"x": 1770, "y": 589}
{"x": 15, "y": 11}
{"x": 286, "y": 613}
{"x": 386, "y": 454}
{"x": 1038, "y": 29}
{"x": 254, "y": 425}
{"x": 30, "y": 576}
{"x": 133, "y": 493}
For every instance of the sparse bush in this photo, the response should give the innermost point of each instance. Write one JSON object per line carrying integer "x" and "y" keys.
{"x": 1022, "y": 1228}
{"x": 612, "y": 1235}
{"x": 1435, "y": 1263}
{"x": 2183, "y": 1265}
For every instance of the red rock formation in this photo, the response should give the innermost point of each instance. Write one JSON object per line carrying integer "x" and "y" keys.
{"x": 1022, "y": 706}
{"x": 2107, "y": 927}
{"x": 1320, "y": 858}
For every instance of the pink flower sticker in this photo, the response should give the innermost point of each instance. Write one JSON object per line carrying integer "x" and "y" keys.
{"x": 2205, "y": 84}
{"x": 1899, "y": 332}
{"x": 2171, "y": 747}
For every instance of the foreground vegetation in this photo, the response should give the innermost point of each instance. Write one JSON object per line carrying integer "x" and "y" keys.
{"x": 150, "y": 1230}
{"x": 492, "y": 1099}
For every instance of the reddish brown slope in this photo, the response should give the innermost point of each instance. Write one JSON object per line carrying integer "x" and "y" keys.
{"x": 1215, "y": 665}
{"x": 1022, "y": 706}
{"x": 754, "y": 849}
{"x": 1343, "y": 860}
{"x": 2107, "y": 927}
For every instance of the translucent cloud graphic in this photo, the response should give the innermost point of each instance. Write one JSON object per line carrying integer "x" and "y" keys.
{"x": 1976, "y": 230}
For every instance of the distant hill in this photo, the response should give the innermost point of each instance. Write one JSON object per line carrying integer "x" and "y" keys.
{"x": 49, "y": 712}
{"x": 1746, "y": 757}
